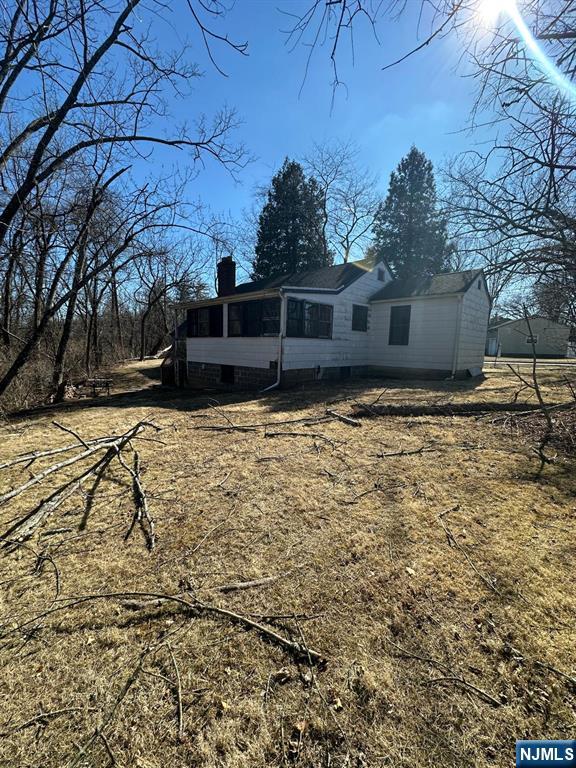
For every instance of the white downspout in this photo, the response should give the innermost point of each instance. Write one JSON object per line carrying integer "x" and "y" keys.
{"x": 457, "y": 337}
{"x": 280, "y": 339}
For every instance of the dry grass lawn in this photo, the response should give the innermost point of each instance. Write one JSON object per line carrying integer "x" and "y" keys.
{"x": 439, "y": 586}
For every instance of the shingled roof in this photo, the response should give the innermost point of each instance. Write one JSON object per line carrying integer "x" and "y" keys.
{"x": 437, "y": 285}
{"x": 325, "y": 279}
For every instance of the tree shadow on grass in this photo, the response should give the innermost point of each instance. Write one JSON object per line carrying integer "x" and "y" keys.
{"x": 295, "y": 398}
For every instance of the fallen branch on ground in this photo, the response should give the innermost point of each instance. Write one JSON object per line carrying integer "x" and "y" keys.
{"x": 448, "y": 668}
{"x": 297, "y": 650}
{"x": 141, "y": 512}
{"x": 452, "y": 542}
{"x": 237, "y": 585}
{"x": 344, "y": 419}
{"x": 34, "y": 455}
{"x": 450, "y": 409}
{"x": 468, "y": 686}
{"x": 315, "y": 435}
{"x": 23, "y": 527}
{"x": 414, "y": 452}
{"x": 533, "y": 409}
{"x": 45, "y": 716}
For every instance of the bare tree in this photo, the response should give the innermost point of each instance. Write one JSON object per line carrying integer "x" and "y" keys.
{"x": 517, "y": 198}
{"x": 349, "y": 197}
{"x": 80, "y": 89}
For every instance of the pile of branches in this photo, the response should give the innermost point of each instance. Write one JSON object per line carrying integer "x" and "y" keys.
{"x": 89, "y": 460}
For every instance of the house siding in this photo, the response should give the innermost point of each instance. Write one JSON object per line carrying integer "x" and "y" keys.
{"x": 430, "y": 346}
{"x": 473, "y": 324}
{"x": 346, "y": 347}
{"x": 250, "y": 352}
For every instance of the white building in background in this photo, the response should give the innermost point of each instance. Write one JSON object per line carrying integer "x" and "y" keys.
{"x": 514, "y": 338}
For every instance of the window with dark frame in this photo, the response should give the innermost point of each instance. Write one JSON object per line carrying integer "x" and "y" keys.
{"x": 359, "y": 317}
{"x": 532, "y": 339}
{"x": 234, "y": 319}
{"x": 270, "y": 317}
{"x": 399, "y": 334}
{"x": 205, "y": 321}
{"x": 308, "y": 319}
{"x": 259, "y": 317}
{"x": 381, "y": 275}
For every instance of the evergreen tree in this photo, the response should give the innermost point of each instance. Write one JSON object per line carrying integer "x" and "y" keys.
{"x": 290, "y": 235}
{"x": 408, "y": 230}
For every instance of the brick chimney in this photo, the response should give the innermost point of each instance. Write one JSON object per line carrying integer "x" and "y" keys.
{"x": 226, "y": 276}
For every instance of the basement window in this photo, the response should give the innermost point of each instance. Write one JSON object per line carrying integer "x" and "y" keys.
{"x": 359, "y": 317}
{"x": 399, "y": 334}
{"x": 227, "y": 374}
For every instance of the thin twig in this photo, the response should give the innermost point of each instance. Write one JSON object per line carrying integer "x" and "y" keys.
{"x": 178, "y": 688}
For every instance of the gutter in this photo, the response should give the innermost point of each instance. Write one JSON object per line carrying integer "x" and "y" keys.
{"x": 280, "y": 344}
{"x": 424, "y": 297}
{"x": 457, "y": 337}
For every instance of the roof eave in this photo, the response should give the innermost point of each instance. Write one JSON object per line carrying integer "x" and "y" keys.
{"x": 230, "y": 298}
{"x": 452, "y": 295}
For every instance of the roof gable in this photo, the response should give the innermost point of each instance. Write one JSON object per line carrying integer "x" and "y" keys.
{"x": 438, "y": 285}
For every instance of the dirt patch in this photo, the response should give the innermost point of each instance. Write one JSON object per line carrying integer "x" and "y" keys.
{"x": 417, "y": 554}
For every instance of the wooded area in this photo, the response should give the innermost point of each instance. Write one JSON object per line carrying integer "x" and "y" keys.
{"x": 93, "y": 257}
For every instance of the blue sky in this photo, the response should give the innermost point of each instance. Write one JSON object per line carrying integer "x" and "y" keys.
{"x": 425, "y": 101}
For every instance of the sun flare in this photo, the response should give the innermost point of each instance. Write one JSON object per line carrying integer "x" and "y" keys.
{"x": 490, "y": 10}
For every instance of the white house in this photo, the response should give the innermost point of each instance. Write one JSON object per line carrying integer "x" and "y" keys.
{"x": 518, "y": 338}
{"x": 335, "y": 322}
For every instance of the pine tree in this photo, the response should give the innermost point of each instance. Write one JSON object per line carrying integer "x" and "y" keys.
{"x": 408, "y": 230}
{"x": 290, "y": 226}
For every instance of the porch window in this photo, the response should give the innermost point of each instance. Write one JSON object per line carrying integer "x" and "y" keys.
{"x": 359, "y": 317}
{"x": 254, "y": 318}
{"x": 234, "y": 319}
{"x": 399, "y": 333}
{"x": 205, "y": 321}
{"x": 309, "y": 319}
{"x": 270, "y": 317}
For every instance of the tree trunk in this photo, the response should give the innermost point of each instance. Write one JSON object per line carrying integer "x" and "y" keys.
{"x": 116, "y": 315}
{"x": 143, "y": 333}
{"x": 7, "y": 301}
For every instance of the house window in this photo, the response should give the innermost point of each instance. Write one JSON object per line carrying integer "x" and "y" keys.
{"x": 381, "y": 275}
{"x": 254, "y": 318}
{"x": 399, "y": 325}
{"x": 359, "y": 317}
{"x": 206, "y": 321}
{"x": 234, "y": 319}
{"x": 309, "y": 320}
{"x": 479, "y": 285}
{"x": 532, "y": 339}
{"x": 270, "y": 317}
